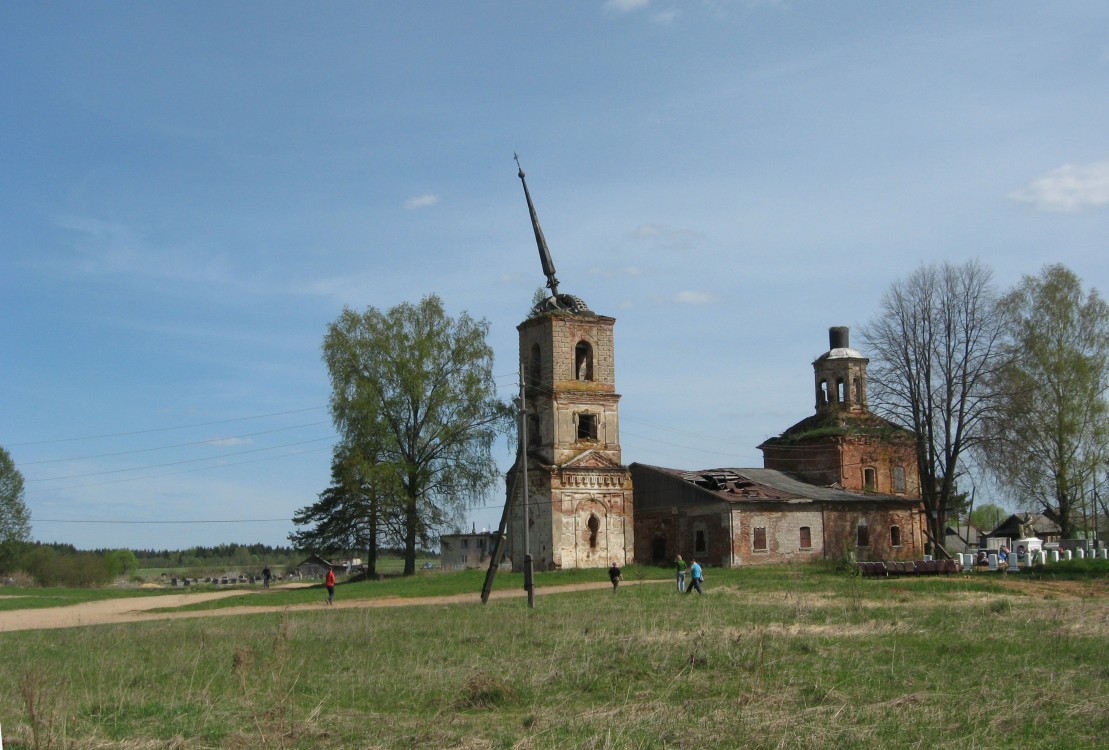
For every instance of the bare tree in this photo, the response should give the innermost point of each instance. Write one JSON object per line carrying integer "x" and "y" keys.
{"x": 935, "y": 348}
{"x": 1051, "y": 432}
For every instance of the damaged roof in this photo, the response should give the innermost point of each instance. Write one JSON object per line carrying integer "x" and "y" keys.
{"x": 760, "y": 485}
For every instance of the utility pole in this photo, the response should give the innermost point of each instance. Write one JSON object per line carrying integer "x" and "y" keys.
{"x": 522, "y": 473}
{"x": 529, "y": 573}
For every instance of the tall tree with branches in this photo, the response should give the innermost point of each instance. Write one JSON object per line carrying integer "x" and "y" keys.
{"x": 936, "y": 346}
{"x": 359, "y": 511}
{"x": 416, "y": 386}
{"x": 1050, "y": 436}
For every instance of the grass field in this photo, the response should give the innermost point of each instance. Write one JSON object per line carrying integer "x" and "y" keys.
{"x": 768, "y": 658}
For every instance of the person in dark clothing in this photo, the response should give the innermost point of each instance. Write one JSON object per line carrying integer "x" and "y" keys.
{"x": 614, "y": 576}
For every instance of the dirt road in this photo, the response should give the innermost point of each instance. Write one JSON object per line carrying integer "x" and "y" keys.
{"x": 111, "y": 611}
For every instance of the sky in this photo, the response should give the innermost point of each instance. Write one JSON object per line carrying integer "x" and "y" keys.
{"x": 191, "y": 192}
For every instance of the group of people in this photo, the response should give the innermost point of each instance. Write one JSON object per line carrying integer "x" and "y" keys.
{"x": 696, "y": 575}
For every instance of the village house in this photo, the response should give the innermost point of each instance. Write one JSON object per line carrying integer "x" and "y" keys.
{"x": 473, "y": 550}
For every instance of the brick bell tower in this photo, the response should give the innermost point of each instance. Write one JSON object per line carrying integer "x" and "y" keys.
{"x": 579, "y": 494}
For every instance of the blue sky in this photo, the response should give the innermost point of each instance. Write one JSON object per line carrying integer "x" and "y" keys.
{"x": 191, "y": 192}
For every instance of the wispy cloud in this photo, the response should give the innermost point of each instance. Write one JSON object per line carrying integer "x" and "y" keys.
{"x": 421, "y": 201}
{"x": 1070, "y": 188}
{"x": 112, "y": 248}
{"x": 229, "y": 442}
{"x": 664, "y": 236}
{"x": 625, "y": 6}
{"x": 688, "y": 297}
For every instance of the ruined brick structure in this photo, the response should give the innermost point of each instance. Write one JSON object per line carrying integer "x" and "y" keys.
{"x": 579, "y": 493}
{"x": 843, "y": 444}
{"x": 842, "y": 482}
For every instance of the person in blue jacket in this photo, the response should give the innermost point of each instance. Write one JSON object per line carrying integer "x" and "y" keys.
{"x": 695, "y": 577}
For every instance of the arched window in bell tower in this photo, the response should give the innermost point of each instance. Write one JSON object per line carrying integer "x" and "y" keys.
{"x": 858, "y": 383}
{"x": 839, "y": 391}
{"x": 583, "y": 361}
{"x": 822, "y": 392}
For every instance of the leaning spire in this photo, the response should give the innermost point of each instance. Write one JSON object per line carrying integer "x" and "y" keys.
{"x": 540, "y": 241}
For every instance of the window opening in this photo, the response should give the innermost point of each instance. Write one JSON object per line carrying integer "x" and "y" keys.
{"x": 862, "y": 536}
{"x": 594, "y": 525}
{"x": 759, "y": 542}
{"x": 858, "y": 391}
{"x": 533, "y": 430}
{"x": 822, "y": 392}
{"x": 699, "y": 542}
{"x": 839, "y": 391}
{"x": 895, "y": 536}
{"x": 806, "y": 537}
{"x": 587, "y": 426}
{"x": 583, "y": 361}
{"x": 534, "y": 365}
{"x": 870, "y": 479}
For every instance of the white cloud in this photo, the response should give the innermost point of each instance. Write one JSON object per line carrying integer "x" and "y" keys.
{"x": 625, "y": 6}
{"x": 665, "y": 236}
{"x": 421, "y": 201}
{"x": 664, "y": 17}
{"x": 1068, "y": 189}
{"x": 694, "y": 298}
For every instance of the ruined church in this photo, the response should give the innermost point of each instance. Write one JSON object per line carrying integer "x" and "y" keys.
{"x": 842, "y": 481}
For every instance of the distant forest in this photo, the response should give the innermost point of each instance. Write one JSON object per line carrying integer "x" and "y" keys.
{"x": 236, "y": 554}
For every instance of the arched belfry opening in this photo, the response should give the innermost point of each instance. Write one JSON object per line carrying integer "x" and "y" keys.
{"x": 583, "y": 361}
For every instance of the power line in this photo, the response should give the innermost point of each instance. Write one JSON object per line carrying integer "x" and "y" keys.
{"x": 167, "y": 429}
{"x": 167, "y": 447}
{"x": 183, "y": 471}
{"x": 179, "y": 463}
{"x": 237, "y": 520}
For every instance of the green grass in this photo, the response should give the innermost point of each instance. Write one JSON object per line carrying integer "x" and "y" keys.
{"x": 768, "y": 658}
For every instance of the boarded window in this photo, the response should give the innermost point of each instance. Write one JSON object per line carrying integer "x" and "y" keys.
{"x": 895, "y": 536}
{"x": 862, "y": 537}
{"x": 899, "y": 479}
{"x": 759, "y": 543}
{"x": 806, "y": 537}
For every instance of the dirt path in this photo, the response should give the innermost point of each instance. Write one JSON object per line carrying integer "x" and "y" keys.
{"x": 112, "y": 611}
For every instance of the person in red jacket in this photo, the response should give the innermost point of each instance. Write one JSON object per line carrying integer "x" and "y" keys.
{"x": 330, "y": 583}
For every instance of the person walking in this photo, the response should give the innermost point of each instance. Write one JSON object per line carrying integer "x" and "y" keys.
{"x": 681, "y": 566}
{"x": 330, "y": 583}
{"x": 266, "y": 577}
{"x": 695, "y": 577}
{"x": 614, "y": 576}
